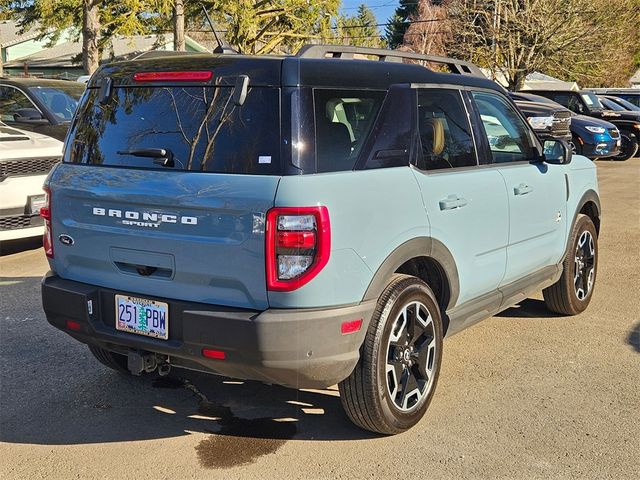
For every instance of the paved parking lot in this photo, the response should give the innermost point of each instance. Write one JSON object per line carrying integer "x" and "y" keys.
{"x": 525, "y": 394}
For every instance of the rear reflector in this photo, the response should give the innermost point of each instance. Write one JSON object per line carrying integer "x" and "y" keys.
{"x": 215, "y": 354}
{"x": 351, "y": 326}
{"x": 73, "y": 325}
{"x": 196, "y": 76}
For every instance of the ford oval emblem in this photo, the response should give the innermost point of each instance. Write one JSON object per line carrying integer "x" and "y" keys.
{"x": 65, "y": 239}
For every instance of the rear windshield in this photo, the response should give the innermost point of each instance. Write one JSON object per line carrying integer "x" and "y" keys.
{"x": 180, "y": 128}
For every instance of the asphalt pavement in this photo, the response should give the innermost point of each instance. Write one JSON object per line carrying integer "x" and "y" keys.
{"x": 526, "y": 394}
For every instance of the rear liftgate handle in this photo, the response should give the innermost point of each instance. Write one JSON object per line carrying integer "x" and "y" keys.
{"x": 452, "y": 202}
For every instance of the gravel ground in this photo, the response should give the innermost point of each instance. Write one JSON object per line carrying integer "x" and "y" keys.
{"x": 523, "y": 395}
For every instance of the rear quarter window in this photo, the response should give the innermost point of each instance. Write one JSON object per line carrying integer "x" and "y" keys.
{"x": 200, "y": 127}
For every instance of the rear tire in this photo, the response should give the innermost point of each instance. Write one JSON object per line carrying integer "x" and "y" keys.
{"x": 572, "y": 293}
{"x": 114, "y": 361}
{"x": 393, "y": 383}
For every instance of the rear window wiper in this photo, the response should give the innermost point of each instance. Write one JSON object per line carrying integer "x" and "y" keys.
{"x": 161, "y": 156}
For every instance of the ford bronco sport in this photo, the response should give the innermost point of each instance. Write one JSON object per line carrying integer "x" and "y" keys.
{"x": 306, "y": 221}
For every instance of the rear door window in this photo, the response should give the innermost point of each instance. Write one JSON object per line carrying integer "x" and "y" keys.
{"x": 445, "y": 134}
{"x": 343, "y": 121}
{"x": 198, "y": 128}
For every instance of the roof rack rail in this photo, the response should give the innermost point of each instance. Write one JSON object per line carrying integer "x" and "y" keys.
{"x": 460, "y": 67}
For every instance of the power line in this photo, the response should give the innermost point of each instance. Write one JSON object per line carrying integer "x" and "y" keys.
{"x": 408, "y": 22}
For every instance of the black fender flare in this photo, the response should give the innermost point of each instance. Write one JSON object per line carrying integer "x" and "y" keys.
{"x": 416, "y": 247}
{"x": 588, "y": 196}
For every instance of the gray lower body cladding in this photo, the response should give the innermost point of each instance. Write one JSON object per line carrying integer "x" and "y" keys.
{"x": 299, "y": 348}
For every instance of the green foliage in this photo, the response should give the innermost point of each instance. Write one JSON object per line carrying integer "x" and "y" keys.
{"x": 267, "y": 26}
{"x": 360, "y": 30}
{"x": 398, "y": 22}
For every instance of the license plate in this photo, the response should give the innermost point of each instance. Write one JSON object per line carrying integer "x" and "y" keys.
{"x": 34, "y": 203}
{"x": 142, "y": 316}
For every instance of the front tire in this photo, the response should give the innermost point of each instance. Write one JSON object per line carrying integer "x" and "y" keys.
{"x": 572, "y": 293}
{"x": 628, "y": 148}
{"x": 393, "y": 383}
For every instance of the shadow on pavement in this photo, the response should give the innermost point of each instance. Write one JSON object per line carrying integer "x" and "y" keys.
{"x": 529, "y": 308}
{"x": 53, "y": 392}
{"x": 634, "y": 337}
{"x": 9, "y": 247}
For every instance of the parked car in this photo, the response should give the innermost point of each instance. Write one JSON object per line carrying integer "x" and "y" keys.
{"x": 621, "y": 102}
{"x": 547, "y": 121}
{"x": 309, "y": 222}
{"x": 25, "y": 159}
{"x": 629, "y": 94}
{"x": 624, "y": 113}
{"x": 41, "y": 106}
{"x": 590, "y": 136}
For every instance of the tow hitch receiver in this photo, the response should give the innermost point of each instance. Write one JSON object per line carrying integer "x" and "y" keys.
{"x": 139, "y": 362}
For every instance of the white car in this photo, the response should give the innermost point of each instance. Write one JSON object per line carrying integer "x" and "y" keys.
{"x": 25, "y": 161}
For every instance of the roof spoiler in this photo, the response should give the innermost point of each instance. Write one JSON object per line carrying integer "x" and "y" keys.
{"x": 460, "y": 67}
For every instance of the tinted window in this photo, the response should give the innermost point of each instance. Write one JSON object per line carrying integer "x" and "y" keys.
{"x": 635, "y": 99}
{"x": 508, "y": 136}
{"x": 389, "y": 142}
{"x": 569, "y": 100}
{"x": 12, "y": 100}
{"x": 200, "y": 127}
{"x": 445, "y": 134}
{"x": 60, "y": 101}
{"x": 611, "y": 105}
{"x": 343, "y": 121}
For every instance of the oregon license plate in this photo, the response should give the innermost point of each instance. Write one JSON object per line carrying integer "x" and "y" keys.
{"x": 142, "y": 316}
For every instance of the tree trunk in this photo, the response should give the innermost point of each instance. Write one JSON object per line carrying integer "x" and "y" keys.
{"x": 178, "y": 26}
{"x": 90, "y": 32}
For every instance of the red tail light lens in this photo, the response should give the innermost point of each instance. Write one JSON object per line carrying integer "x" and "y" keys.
{"x": 194, "y": 76}
{"x": 45, "y": 212}
{"x": 297, "y": 247}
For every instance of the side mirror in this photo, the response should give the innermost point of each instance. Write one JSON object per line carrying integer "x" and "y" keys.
{"x": 557, "y": 152}
{"x": 29, "y": 115}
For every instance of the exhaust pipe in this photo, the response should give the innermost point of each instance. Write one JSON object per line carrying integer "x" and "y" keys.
{"x": 164, "y": 369}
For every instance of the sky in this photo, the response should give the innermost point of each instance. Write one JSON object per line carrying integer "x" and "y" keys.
{"x": 383, "y": 9}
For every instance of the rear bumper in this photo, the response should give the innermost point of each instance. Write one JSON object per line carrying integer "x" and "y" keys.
{"x": 302, "y": 348}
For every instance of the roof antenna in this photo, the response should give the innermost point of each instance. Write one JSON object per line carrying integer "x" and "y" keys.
{"x": 222, "y": 46}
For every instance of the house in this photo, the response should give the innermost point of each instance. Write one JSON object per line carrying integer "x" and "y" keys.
{"x": 635, "y": 79}
{"x": 25, "y": 54}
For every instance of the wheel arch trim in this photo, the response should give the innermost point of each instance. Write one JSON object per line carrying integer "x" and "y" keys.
{"x": 416, "y": 247}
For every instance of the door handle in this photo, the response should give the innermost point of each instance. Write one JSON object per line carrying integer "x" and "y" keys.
{"x": 522, "y": 189}
{"x": 452, "y": 202}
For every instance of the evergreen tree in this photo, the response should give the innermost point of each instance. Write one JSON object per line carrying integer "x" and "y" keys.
{"x": 398, "y": 23}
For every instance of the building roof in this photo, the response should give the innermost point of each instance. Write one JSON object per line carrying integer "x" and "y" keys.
{"x": 10, "y": 33}
{"x": 67, "y": 54}
{"x": 635, "y": 79}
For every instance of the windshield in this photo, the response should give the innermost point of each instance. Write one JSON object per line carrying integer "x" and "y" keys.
{"x": 627, "y": 105}
{"x": 60, "y": 100}
{"x": 180, "y": 128}
{"x": 592, "y": 101}
{"x": 611, "y": 105}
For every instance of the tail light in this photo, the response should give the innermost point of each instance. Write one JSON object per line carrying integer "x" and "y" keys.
{"x": 298, "y": 246}
{"x": 45, "y": 212}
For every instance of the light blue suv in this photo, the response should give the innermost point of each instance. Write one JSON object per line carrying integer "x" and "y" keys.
{"x": 307, "y": 220}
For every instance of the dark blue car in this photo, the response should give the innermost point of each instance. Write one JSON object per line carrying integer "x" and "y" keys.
{"x": 592, "y": 137}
